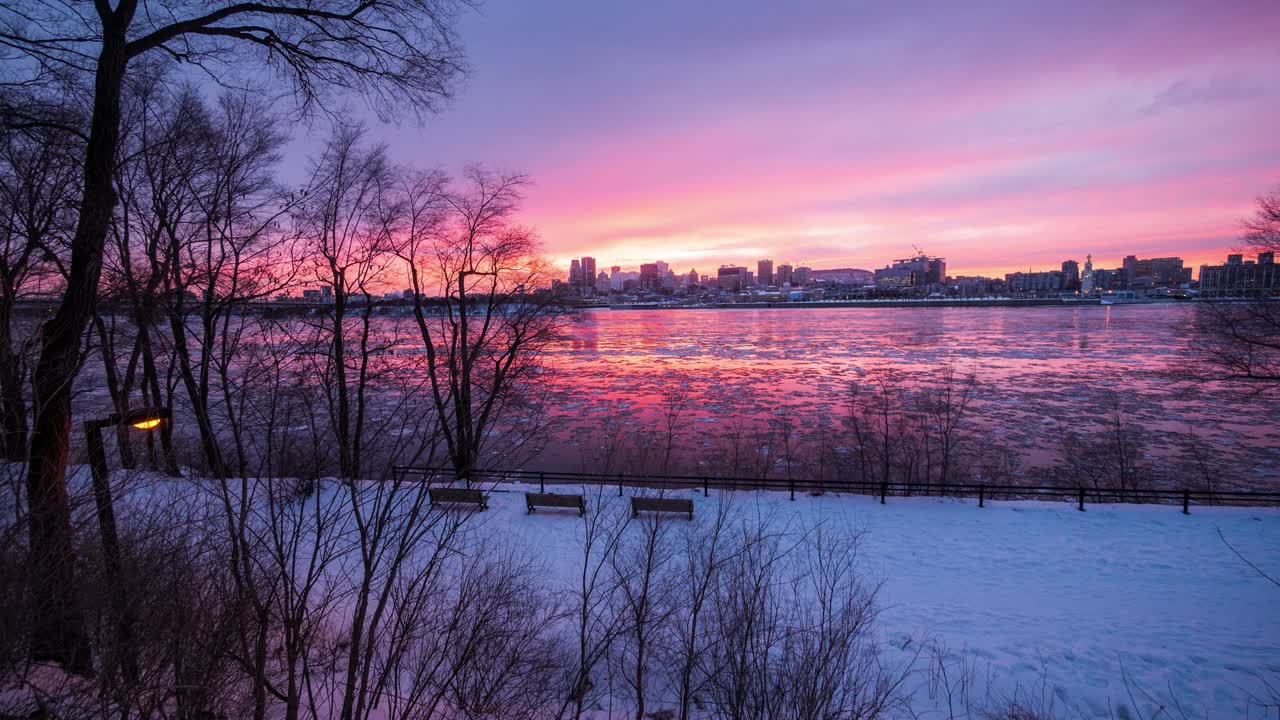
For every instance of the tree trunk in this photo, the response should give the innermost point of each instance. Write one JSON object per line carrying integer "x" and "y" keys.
{"x": 58, "y": 625}
{"x": 13, "y": 407}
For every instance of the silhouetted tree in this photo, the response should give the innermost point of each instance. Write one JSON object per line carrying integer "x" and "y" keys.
{"x": 391, "y": 52}
{"x": 1239, "y": 342}
{"x": 484, "y": 341}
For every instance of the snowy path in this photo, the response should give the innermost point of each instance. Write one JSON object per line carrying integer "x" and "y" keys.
{"x": 1026, "y": 583}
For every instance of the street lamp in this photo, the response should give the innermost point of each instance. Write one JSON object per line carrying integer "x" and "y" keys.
{"x": 141, "y": 419}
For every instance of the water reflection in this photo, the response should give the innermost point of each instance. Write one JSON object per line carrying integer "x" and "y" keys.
{"x": 1038, "y": 366}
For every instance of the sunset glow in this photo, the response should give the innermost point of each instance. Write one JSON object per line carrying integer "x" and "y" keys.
{"x": 1000, "y": 136}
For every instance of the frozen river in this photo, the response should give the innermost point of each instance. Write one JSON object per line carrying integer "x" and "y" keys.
{"x": 1042, "y": 371}
{"x": 735, "y": 377}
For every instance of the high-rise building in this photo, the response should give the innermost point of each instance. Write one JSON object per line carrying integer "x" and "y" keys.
{"x": 764, "y": 272}
{"x": 649, "y": 278}
{"x": 692, "y": 278}
{"x": 800, "y": 276}
{"x": 602, "y": 280}
{"x": 1070, "y": 274}
{"x": 575, "y": 273}
{"x": 731, "y": 277}
{"x": 1086, "y": 279}
{"x": 783, "y": 276}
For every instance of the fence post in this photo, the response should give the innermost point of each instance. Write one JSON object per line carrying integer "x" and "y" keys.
{"x": 884, "y": 489}
{"x": 1186, "y": 502}
{"x": 981, "y": 493}
{"x": 705, "y": 486}
{"x": 542, "y": 482}
{"x": 619, "y": 484}
{"x": 1081, "y": 499}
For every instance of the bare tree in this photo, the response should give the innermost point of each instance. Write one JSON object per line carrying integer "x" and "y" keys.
{"x": 675, "y": 401}
{"x": 646, "y": 597}
{"x": 707, "y": 550}
{"x": 592, "y": 617}
{"x": 349, "y": 221}
{"x": 392, "y": 52}
{"x": 485, "y": 336}
{"x": 794, "y": 632}
{"x": 1110, "y": 457}
{"x": 38, "y": 182}
{"x": 945, "y": 407}
{"x": 1239, "y": 342}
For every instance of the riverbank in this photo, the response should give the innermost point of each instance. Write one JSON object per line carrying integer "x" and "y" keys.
{"x": 938, "y": 302}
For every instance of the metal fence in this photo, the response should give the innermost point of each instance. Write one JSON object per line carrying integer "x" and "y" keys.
{"x": 983, "y": 493}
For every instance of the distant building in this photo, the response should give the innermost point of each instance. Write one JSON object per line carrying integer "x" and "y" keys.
{"x": 1086, "y": 279}
{"x": 916, "y": 272}
{"x": 649, "y": 277}
{"x": 602, "y": 280}
{"x": 1034, "y": 282}
{"x": 845, "y": 276}
{"x": 589, "y": 271}
{"x": 1241, "y": 278}
{"x": 764, "y": 272}
{"x": 973, "y": 286}
{"x": 800, "y": 276}
{"x": 324, "y": 294}
{"x": 575, "y": 273}
{"x": 1155, "y": 271}
{"x": 783, "y": 276}
{"x": 1070, "y": 275}
{"x": 1105, "y": 280}
{"x": 732, "y": 278}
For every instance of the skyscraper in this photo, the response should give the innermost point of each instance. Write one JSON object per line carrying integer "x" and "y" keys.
{"x": 575, "y": 273}
{"x": 589, "y": 271}
{"x": 783, "y": 276}
{"x": 1086, "y": 279}
{"x": 1070, "y": 274}
{"x": 764, "y": 272}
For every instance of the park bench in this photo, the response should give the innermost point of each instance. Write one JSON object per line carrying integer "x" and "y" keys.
{"x": 458, "y": 496}
{"x": 533, "y": 500}
{"x": 651, "y": 504}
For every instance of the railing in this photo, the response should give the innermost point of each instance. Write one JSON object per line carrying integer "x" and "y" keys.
{"x": 981, "y": 492}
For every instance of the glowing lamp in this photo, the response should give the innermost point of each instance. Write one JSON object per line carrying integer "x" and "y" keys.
{"x": 145, "y": 418}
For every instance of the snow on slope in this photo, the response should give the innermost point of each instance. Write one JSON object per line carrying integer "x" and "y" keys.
{"x": 1026, "y": 587}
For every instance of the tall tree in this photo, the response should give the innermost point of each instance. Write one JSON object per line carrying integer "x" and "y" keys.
{"x": 485, "y": 337}
{"x": 348, "y": 221}
{"x": 391, "y": 52}
{"x": 38, "y": 178}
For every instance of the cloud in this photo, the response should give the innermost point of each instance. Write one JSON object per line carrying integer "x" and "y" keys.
{"x": 1212, "y": 92}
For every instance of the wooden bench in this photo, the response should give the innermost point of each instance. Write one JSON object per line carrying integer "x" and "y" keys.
{"x": 458, "y": 496}
{"x": 651, "y": 504}
{"x": 533, "y": 500}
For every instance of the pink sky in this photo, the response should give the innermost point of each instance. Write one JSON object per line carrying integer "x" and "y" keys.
{"x": 1001, "y": 135}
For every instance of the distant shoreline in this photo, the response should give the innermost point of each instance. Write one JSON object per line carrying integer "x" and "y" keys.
{"x": 995, "y": 302}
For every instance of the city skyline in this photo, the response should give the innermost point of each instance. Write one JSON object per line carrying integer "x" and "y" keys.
{"x": 845, "y": 135}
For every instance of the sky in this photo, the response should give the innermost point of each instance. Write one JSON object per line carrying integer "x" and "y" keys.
{"x": 1001, "y": 135}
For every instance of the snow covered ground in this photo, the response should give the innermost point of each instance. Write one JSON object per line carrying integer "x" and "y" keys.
{"x": 1033, "y": 590}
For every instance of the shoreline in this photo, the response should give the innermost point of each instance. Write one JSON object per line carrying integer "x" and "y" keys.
{"x": 939, "y": 303}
